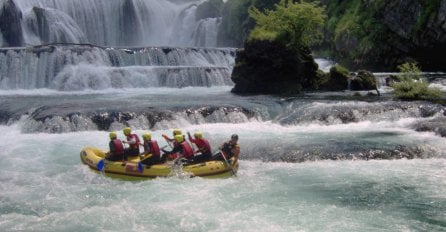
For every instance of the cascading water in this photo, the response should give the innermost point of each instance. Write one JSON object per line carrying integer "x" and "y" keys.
{"x": 79, "y": 67}
{"x": 319, "y": 162}
{"x": 115, "y": 23}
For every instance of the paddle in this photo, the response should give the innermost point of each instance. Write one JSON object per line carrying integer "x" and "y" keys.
{"x": 227, "y": 162}
{"x": 167, "y": 140}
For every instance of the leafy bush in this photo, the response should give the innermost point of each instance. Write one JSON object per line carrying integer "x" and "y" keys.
{"x": 411, "y": 85}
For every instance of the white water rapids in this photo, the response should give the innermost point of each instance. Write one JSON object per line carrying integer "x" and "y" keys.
{"x": 326, "y": 161}
{"x": 44, "y": 187}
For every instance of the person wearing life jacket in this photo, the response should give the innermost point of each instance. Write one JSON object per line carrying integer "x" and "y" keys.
{"x": 229, "y": 149}
{"x": 181, "y": 147}
{"x": 176, "y": 131}
{"x": 132, "y": 141}
{"x": 152, "y": 149}
{"x": 116, "y": 152}
{"x": 203, "y": 152}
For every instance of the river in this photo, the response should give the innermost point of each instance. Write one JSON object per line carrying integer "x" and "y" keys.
{"x": 325, "y": 161}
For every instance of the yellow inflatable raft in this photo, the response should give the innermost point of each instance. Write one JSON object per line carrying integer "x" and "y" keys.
{"x": 131, "y": 170}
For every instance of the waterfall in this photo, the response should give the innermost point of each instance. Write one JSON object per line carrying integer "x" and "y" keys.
{"x": 111, "y": 22}
{"x": 325, "y": 64}
{"x": 206, "y": 32}
{"x": 80, "y": 67}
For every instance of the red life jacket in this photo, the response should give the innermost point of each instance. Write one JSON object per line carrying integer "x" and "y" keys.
{"x": 154, "y": 148}
{"x": 188, "y": 152}
{"x": 203, "y": 145}
{"x": 136, "y": 145}
{"x": 119, "y": 147}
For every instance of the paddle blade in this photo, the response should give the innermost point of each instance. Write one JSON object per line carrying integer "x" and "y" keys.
{"x": 100, "y": 165}
{"x": 140, "y": 167}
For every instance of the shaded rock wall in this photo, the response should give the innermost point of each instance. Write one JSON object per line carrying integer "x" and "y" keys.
{"x": 265, "y": 67}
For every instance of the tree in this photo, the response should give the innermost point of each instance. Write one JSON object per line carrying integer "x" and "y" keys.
{"x": 294, "y": 24}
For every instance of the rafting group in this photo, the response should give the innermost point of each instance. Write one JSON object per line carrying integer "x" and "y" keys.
{"x": 180, "y": 149}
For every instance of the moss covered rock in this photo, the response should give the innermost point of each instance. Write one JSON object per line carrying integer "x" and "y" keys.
{"x": 267, "y": 67}
{"x": 363, "y": 80}
{"x": 335, "y": 80}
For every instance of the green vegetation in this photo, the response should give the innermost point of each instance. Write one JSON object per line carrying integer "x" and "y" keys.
{"x": 411, "y": 85}
{"x": 358, "y": 34}
{"x": 353, "y": 30}
{"x": 292, "y": 24}
{"x": 430, "y": 8}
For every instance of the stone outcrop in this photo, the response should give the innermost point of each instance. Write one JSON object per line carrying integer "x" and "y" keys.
{"x": 335, "y": 80}
{"x": 265, "y": 67}
{"x": 363, "y": 80}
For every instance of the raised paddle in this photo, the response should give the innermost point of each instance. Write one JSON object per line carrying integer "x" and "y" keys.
{"x": 167, "y": 140}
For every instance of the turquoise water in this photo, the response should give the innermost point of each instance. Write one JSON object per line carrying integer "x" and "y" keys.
{"x": 44, "y": 187}
{"x": 303, "y": 164}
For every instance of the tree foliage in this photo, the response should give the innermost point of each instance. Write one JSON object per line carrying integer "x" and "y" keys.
{"x": 294, "y": 24}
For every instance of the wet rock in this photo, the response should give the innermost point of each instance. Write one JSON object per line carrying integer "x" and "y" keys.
{"x": 436, "y": 125}
{"x": 363, "y": 80}
{"x": 265, "y": 67}
{"x": 429, "y": 110}
{"x": 10, "y": 24}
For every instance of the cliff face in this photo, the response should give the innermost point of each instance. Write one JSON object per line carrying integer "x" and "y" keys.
{"x": 380, "y": 35}
{"x": 372, "y": 34}
{"x": 421, "y": 24}
{"x": 421, "y": 31}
